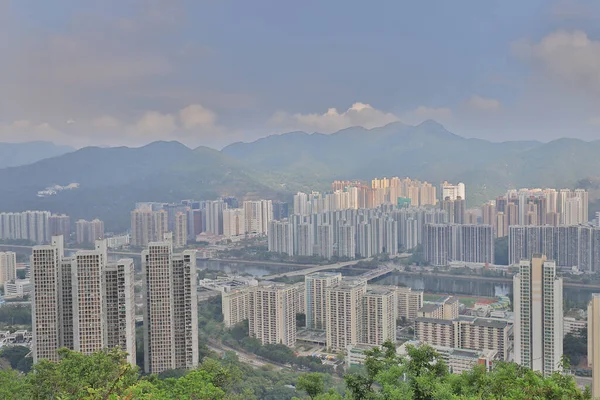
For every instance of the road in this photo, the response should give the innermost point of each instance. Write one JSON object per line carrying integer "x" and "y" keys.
{"x": 583, "y": 381}
{"x": 243, "y": 356}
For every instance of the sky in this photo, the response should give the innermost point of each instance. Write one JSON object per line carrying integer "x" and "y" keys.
{"x": 213, "y": 72}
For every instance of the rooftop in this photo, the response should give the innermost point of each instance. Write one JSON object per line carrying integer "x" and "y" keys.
{"x": 429, "y": 307}
{"x": 490, "y": 323}
{"x": 435, "y": 321}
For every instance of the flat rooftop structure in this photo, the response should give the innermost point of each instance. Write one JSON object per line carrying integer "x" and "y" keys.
{"x": 429, "y": 307}
{"x": 435, "y": 321}
{"x": 311, "y": 336}
{"x": 490, "y": 323}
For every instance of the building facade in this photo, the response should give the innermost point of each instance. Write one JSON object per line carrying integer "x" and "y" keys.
{"x": 171, "y": 303}
{"x": 538, "y": 302}
{"x": 272, "y": 313}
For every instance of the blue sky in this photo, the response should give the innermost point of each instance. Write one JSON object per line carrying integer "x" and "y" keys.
{"x": 212, "y": 72}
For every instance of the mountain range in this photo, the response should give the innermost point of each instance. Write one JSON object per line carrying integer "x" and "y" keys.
{"x": 15, "y": 154}
{"x": 112, "y": 179}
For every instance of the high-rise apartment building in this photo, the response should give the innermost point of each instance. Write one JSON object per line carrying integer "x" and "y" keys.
{"x": 346, "y": 241}
{"x": 171, "y": 303}
{"x": 89, "y": 231}
{"x": 468, "y": 243}
{"x": 409, "y": 302}
{"x": 379, "y": 316}
{"x": 344, "y": 317}
{"x": 569, "y": 246}
{"x": 27, "y": 225}
{"x": 272, "y": 313}
{"x": 82, "y": 302}
{"x": 281, "y": 237}
{"x": 46, "y": 299}
{"x": 234, "y": 306}
{"x": 59, "y": 225}
{"x": 453, "y": 192}
{"x": 120, "y": 306}
{"x": 89, "y": 309}
{"x": 8, "y": 266}
{"x": 316, "y": 299}
{"x": 280, "y": 210}
{"x": 180, "y": 233}
{"x": 538, "y": 295}
{"x": 214, "y": 216}
{"x": 305, "y": 240}
{"x": 148, "y": 226}
{"x": 465, "y": 332}
{"x": 325, "y": 241}
{"x": 257, "y": 216}
{"x": 233, "y": 222}
{"x": 593, "y": 345}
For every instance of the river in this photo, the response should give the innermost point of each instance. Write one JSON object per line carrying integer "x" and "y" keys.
{"x": 578, "y": 297}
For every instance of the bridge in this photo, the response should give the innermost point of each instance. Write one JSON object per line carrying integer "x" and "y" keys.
{"x": 376, "y": 273}
{"x": 317, "y": 268}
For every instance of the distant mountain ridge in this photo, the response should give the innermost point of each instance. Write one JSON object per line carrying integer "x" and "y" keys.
{"x": 16, "y": 154}
{"x": 427, "y": 151}
{"x": 113, "y": 179}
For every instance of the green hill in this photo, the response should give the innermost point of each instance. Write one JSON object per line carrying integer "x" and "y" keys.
{"x": 426, "y": 151}
{"x": 113, "y": 179}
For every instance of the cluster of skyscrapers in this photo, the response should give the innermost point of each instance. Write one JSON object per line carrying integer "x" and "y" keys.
{"x": 86, "y": 303}
{"x": 348, "y": 310}
{"x": 81, "y": 302}
{"x": 569, "y": 246}
{"x": 186, "y": 220}
{"x": 356, "y": 195}
{"x": 537, "y": 328}
{"x": 538, "y": 207}
{"x": 39, "y": 226}
{"x": 27, "y": 225}
{"x": 89, "y": 231}
{"x": 345, "y": 234}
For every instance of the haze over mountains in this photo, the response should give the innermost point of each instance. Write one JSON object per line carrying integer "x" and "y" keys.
{"x": 15, "y": 154}
{"x": 113, "y": 179}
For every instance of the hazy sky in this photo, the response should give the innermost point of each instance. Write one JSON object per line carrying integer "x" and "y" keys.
{"x": 112, "y": 72}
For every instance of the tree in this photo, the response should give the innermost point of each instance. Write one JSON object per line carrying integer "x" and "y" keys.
{"x": 15, "y": 355}
{"x": 312, "y": 384}
{"x": 575, "y": 346}
{"x": 77, "y": 376}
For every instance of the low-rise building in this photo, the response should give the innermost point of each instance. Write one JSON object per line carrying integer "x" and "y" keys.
{"x": 17, "y": 288}
{"x": 467, "y": 333}
{"x": 573, "y": 325}
{"x": 436, "y": 331}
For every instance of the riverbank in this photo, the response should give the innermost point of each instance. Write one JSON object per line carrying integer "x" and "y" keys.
{"x": 566, "y": 283}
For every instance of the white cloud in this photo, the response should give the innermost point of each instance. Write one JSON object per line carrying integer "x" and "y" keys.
{"x": 154, "y": 122}
{"x": 195, "y": 115}
{"x": 193, "y": 125}
{"x": 572, "y": 57}
{"x": 477, "y": 102}
{"x": 27, "y": 131}
{"x": 359, "y": 114}
{"x": 106, "y": 122}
